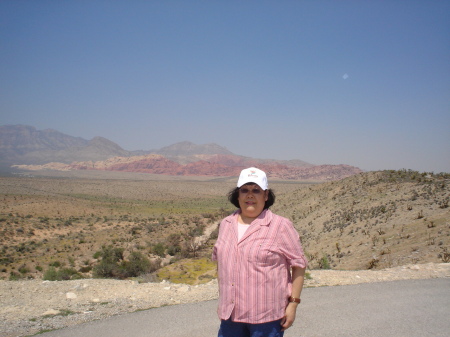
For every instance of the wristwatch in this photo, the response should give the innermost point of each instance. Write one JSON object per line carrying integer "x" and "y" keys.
{"x": 293, "y": 299}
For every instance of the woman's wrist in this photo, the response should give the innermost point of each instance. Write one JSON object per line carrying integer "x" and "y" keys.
{"x": 293, "y": 299}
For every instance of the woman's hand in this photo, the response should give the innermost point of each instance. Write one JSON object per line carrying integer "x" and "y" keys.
{"x": 289, "y": 317}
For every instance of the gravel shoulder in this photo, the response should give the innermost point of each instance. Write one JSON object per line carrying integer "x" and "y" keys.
{"x": 32, "y": 306}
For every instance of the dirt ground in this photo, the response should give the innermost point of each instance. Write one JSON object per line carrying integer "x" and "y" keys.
{"x": 32, "y": 306}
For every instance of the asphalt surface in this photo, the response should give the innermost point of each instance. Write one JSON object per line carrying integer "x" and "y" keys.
{"x": 395, "y": 309}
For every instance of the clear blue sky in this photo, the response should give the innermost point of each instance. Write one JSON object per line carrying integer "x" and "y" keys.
{"x": 364, "y": 83}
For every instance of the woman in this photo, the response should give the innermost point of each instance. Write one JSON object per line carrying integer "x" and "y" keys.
{"x": 255, "y": 252}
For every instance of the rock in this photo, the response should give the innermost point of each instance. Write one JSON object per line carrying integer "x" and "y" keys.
{"x": 80, "y": 286}
{"x": 51, "y": 312}
{"x": 184, "y": 289}
{"x": 71, "y": 296}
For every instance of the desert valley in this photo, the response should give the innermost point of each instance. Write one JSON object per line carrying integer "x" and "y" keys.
{"x": 91, "y": 212}
{"x": 73, "y": 208}
{"x": 370, "y": 220}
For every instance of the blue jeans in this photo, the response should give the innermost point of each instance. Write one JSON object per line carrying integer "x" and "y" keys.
{"x": 229, "y": 328}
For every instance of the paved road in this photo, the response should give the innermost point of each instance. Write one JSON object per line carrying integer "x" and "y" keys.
{"x": 395, "y": 309}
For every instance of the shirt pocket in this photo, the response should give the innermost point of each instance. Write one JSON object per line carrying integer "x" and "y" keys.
{"x": 263, "y": 254}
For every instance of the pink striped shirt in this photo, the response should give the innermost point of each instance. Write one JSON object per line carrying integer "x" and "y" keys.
{"x": 254, "y": 272}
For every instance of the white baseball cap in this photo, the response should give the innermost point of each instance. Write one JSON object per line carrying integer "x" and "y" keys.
{"x": 253, "y": 175}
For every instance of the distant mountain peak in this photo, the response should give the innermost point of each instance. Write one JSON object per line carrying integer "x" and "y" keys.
{"x": 187, "y": 148}
{"x": 22, "y": 146}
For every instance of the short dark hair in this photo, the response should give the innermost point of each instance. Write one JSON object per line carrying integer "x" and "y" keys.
{"x": 233, "y": 197}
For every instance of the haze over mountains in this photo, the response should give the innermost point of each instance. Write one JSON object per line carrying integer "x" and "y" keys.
{"x": 25, "y": 147}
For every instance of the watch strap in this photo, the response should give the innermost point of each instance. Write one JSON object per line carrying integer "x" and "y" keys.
{"x": 293, "y": 299}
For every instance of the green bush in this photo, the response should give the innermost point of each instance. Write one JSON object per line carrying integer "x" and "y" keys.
{"x": 52, "y": 274}
{"x": 137, "y": 265}
{"x": 159, "y": 249}
{"x": 13, "y": 276}
{"x": 110, "y": 254}
{"x": 113, "y": 265}
{"x": 56, "y": 264}
{"x": 324, "y": 263}
{"x": 173, "y": 250}
{"x": 108, "y": 266}
{"x": 197, "y": 231}
{"x": 106, "y": 269}
{"x": 85, "y": 269}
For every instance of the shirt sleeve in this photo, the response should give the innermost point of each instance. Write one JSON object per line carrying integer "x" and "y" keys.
{"x": 291, "y": 246}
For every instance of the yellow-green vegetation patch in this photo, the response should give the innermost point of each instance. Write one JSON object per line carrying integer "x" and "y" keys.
{"x": 175, "y": 205}
{"x": 189, "y": 271}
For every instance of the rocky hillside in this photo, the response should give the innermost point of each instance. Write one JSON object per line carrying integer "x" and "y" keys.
{"x": 373, "y": 220}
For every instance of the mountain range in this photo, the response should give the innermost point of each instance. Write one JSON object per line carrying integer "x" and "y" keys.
{"x": 26, "y": 148}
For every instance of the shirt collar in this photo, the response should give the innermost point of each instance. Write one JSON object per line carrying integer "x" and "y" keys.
{"x": 263, "y": 219}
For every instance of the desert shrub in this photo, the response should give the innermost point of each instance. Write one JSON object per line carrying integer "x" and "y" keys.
{"x": 13, "y": 276}
{"x": 113, "y": 265}
{"x": 444, "y": 255}
{"x": 444, "y": 203}
{"x": 110, "y": 253}
{"x": 53, "y": 274}
{"x": 68, "y": 274}
{"x": 324, "y": 263}
{"x": 50, "y": 274}
{"x": 136, "y": 265}
{"x": 6, "y": 260}
{"x": 135, "y": 230}
{"x": 173, "y": 250}
{"x": 108, "y": 266}
{"x": 173, "y": 239}
{"x": 198, "y": 230}
{"x": 159, "y": 249}
{"x": 106, "y": 269}
{"x": 373, "y": 263}
{"x": 85, "y": 269}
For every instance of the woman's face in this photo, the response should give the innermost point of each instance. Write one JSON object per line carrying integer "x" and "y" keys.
{"x": 251, "y": 200}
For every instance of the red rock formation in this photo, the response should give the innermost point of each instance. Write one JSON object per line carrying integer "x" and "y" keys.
{"x": 215, "y": 165}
